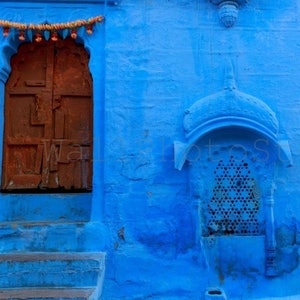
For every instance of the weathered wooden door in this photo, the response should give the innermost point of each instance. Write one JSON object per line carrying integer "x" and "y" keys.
{"x": 48, "y": 118}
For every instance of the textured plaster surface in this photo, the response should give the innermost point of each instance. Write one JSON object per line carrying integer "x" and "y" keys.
{"x": 162, "y": 57}
{"x": 150, "y": 62}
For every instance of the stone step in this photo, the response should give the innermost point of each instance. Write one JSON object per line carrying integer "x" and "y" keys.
{"x": 47, "y": 293}
{"x": 41, "y": 271}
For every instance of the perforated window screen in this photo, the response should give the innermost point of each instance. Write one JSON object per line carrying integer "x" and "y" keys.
{"x": 235, "y": 203}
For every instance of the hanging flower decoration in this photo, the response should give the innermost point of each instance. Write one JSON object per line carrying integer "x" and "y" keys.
{"x": 22, "y": 35}
{"x": 54, "y": 36}
{"x": 40, "y": 29}
{"x": 89, "y": 29}
{"x": 38, "y": 37}
{"x": 5, "y": 31}
{"x": 74, "y": 34}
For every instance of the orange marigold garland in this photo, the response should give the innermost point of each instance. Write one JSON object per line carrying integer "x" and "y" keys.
{"x": 53, "y": 28}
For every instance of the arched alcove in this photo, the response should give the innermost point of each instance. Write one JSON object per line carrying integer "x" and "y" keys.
{"x": 90, "y": 205}
{"x": 232, "y": 147}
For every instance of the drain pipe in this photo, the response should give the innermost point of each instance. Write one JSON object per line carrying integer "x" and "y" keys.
{"x": 215, "y": 293}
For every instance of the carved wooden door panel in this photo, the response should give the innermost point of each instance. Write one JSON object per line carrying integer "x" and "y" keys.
{"x": 48, "y": 118}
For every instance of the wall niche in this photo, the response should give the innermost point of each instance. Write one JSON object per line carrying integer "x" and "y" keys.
{"x": 231, "y": 149}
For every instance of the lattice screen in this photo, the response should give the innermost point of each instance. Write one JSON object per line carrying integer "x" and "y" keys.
{"x": 235, "y": 203}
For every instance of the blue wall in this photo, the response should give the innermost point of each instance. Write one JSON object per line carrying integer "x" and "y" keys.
{"x": 161, "y": 57}
{"x": 151, "y": 61}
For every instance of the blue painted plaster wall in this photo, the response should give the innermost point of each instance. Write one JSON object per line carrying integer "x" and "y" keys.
{"x": 151, "y": 61}
{"x": 161, "y": 57}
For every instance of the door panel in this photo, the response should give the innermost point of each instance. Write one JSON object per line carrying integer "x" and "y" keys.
{"x": 48, "y": 118}
{"x": 27, "y": 119}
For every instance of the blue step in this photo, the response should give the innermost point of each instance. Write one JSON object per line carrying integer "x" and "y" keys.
{"x": 46, "y": 275}
{"x": 47, "y": 293}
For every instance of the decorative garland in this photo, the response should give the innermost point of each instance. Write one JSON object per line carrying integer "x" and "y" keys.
{"x": 49, "y": 29}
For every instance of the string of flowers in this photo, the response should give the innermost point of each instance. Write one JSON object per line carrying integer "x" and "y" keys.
{"x": 53, "y": 28}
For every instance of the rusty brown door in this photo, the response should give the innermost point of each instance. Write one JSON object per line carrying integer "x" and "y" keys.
{"x": 48, "y": 119}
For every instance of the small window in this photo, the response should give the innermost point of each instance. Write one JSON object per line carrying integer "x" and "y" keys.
{"x": 48, "y": 119}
